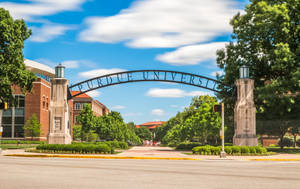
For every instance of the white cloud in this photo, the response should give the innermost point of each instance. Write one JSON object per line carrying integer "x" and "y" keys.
{"x": 71, "y": 63}
{"x": 163, "y": 23}
{"x": 118, "y": 107}
{"x": 174, "y": 106}
{"x": 173, "y": 93}
{"x": 48, "y": 32}
{"x": 217, "y": 73}
{"x": 94, "y": 94}
{"x": 193, "y": 54}
{"x": 99, "y": 72}
{"x": 35, "y": 8}
{"x": 157, "y": 112}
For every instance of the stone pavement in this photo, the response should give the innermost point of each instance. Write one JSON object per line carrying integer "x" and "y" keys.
{"x": 165, "y": 152}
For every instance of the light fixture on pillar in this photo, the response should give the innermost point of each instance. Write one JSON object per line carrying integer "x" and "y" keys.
{"x": 59, "y": 71}
{"x": 244, "y": 72}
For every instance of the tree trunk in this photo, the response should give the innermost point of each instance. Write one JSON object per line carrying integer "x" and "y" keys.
{"x": 281, "y": 141}
{"x": 295, "y": 138}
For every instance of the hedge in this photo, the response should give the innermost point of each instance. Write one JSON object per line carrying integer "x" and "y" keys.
{"x": 76, "y": 148}
{"x": 116, "y": 144}
{"x": 112, "y": 144}
{"x": 231, "y": 150}
{"x": 187, "y": 145}
{"x": 21, "y": 142}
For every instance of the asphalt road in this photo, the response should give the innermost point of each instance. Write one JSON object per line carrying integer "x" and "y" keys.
{"x": 136, "y": 174}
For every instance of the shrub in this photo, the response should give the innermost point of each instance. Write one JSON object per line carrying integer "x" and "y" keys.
{"x": 116, "y": 144}
{"x": 228, "y": 149}
{"x": 245, "y": 150}
{"x": 252, "y": 150}
{"x": 286, "y": 142}
{"x": 187, "y": 145}
{"x": 236, "y": 149}
{"x": 298, "y": 142}
{"x": 211, "y": 150}
{"x": 21, "y": 142}
{"x": 75, "y": 148}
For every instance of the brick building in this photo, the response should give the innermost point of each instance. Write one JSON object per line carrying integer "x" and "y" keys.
{"x": 78, "y": 102}
{"x": 38, "y": 102}
{"x": 151, "y": 125}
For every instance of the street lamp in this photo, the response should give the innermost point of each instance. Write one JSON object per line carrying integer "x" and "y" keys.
{"x": 223, "y": 153}
{"x": 59, "y": 71}
{"x": 244, "y": 72}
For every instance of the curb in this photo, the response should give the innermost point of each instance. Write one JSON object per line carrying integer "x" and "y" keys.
{"x": 95, "y": 157}
{"x": 273, "y": 159}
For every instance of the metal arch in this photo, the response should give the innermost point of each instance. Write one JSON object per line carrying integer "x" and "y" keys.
{"x": 142, "y": 76}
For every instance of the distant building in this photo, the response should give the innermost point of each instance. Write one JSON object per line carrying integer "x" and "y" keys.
{"x": 78, "y": 102}
{"x": 151, "y": 125}
{"x": 38, "y": 102}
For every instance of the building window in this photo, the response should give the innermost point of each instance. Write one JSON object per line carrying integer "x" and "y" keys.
{"x": 13, "y": 119}
{"x": 47, "y": 104}
{"x": 77, "y": 106}
{"x": 44, "y": 102}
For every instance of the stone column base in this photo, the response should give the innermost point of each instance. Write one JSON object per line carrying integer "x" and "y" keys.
{"x": 245, "y": 141}
{"x": 58, "y": 138}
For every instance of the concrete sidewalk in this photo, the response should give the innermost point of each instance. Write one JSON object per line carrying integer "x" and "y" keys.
{"x": 155, "y": 153}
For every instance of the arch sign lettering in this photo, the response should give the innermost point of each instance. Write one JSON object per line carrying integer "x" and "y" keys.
{"x": 144, "y": 76}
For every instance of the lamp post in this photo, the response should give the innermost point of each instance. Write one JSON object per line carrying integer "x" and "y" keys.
{"x": 223, "y": 153}
{"x": 59, "y": 71}
{"x": 244, "y": 72}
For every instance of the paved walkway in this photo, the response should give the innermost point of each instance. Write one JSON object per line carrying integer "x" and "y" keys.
{"x": 166, "y": 152}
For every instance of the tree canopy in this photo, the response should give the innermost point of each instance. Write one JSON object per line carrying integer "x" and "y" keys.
{"x": 13, "y": 33}
{"x": 266, "y": 38}
{"x": 107, "y": 127}
{"x": 198, "y": 122}
{"x": 32, "y": 128}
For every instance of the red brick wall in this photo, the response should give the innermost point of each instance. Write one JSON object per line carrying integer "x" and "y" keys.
{"x": 34, "y": 104}
{"x": 267, "y": 141}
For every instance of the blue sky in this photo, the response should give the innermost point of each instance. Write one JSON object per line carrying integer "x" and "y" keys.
{"x": 96, "y": 37}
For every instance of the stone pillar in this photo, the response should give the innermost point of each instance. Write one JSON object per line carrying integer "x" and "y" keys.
{"x": 245, "y": 114}
{"x": 59, "y": 113}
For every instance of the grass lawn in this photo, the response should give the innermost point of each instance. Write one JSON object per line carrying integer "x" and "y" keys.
{"x": 285, "y": 150}
{"x": 14, "y": 146}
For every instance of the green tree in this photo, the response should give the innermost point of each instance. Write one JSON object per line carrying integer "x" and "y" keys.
{"x": 131, "y": 126}
{"x": 198, "y": 121}
{"x": 86, "y": 118}
{"x": 160, "y": 132}
{"x": 112, "y": 127}
{"x": 32, "y": 128}
{"x": 77, "y": 132}
{"x": 266, "y": 39}
{"x": 13, "y": 33}
{"x": 143, "y": 133}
